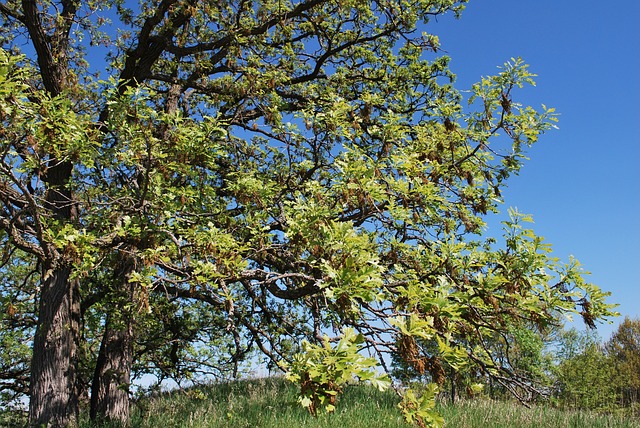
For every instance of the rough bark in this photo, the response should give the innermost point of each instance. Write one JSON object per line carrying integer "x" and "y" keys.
{"x": 54, "y": 402}
{"x": 110, "y": 387}
{"x": 112, "y": 375}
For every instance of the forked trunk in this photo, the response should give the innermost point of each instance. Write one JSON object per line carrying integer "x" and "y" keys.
{"x": 53, "y": 401}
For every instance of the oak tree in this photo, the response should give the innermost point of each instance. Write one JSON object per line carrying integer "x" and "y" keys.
{"x": 295, "y": 167}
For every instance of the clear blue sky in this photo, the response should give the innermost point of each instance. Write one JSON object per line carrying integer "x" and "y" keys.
{"x": 582, "y": 184}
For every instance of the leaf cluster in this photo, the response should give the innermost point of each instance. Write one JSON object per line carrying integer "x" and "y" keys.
{"x": 322, "y": 370}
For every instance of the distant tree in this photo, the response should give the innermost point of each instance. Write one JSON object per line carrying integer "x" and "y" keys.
{"x": 585, "y": 373}
{"x": 624, "y": 350}
{"x": 295, "y": 168}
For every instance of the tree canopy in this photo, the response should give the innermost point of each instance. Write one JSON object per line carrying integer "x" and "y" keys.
{"x": 185, "y": 183}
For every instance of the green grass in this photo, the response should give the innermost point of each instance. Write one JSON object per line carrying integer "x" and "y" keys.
{"x": 271, "y": 403}
{"x": 266, "y": 403}
{"x": 496, "y": 414}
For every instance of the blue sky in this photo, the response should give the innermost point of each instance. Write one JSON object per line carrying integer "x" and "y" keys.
{"x": 582, "y": 184}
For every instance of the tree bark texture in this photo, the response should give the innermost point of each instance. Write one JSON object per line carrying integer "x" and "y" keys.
{"x": 54, "y": 402}
{"x": 110, "y": 387}
{"x": 112, "y": 376}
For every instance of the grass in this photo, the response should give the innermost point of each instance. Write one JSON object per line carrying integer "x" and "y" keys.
{"x": 271, "y": 403}
{"x": 497, "y": 414}
{"x": 265, "y": 403}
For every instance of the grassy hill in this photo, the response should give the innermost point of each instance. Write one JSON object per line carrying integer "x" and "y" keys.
{"x": 271, "y": 403}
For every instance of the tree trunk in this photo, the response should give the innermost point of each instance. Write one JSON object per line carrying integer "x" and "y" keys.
{"x": 53, "y": 401}
{"x": 110, "y": 387}
{"x": 112, "y": 376}
{"x": 53, "y": 394}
